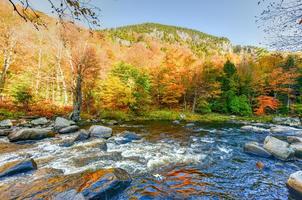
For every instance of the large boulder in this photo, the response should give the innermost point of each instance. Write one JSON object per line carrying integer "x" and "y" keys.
{"x": 297, "y": 147}
{"x": 17, "y": 167}
{"x": 278, "y": 148}
{"x": 288, "y": 121}
{"x": 100, "y": 184}
{"x": 62, "y": 123}
{"x": 294, "y": 139}
{"x": 255, "y": 129}
{"x": 255, "y": 149}
{"x": 294, "y": 183}
{"x": 39, "y": 121}
{"x": 30, "y": 134}
{"x": 6, "y": 123}
{"x": 69, "y": 129}
{"x": 100, "y": 131}
{"x": 285, "y": 131}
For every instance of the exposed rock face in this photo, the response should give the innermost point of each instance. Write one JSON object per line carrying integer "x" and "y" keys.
{"x": 100, "y": 131}
{"x": 294, "y": 139}
{"x": 30, "y": 134}
{"x": 39, "y": 121}
{"x": 255, "y": 129}
{"x": 6, "y": 123}
{"x": 278, "y": 148}
{"x": 255, "y": 149}
{"x": 62, "y": 123}
{"x": 289, "y": 121}
{"x": 297, "y": 147}
{"x": 294, "y": 183}
{"x": 100, "y": 184}
{"x": 18, "y": 167}
{"x": 69, "y": 129}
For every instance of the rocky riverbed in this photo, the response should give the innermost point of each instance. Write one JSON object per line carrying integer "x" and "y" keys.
{"x": 58, "y": 159}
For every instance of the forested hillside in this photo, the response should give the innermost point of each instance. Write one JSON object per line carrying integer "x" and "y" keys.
{"x": 139, "y": 68}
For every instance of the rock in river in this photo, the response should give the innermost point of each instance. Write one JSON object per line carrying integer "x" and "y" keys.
{"x": 5, "y": 132}
{"x": 69, "y": 129}
{"x": 289, "y": 121}
{"x": 100, "y": 131}
{"x": 255, "y": 149}
{"x": 39, "y": 121}
{"x": 100, "y": 184}
{"x": 285, "y": 131}
{"x": 30, "y": 134}
{"x": 254, "y": 129}
{"x": 62, "y": 123}
{"x": 6, "y": 123}
{"x": 278, "y": 148}
{"x": 294, "y": 183}
{"x": 81, "y": 135}
{"x": 18, "y": 167}
{"x": 297, "y": 147}
{"x": 294, "y": 139}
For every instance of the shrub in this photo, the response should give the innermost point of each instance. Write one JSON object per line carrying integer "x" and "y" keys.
{"x": 203, "y": 107}
{"x": 23, "y": 95}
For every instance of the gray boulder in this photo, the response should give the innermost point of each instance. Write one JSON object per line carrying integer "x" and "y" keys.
{"x": 6, "y": 123}
{"x": 285, "y": 131}
{"x": 294, "y": 183}
{"x": 100, "y": 131}
{"x": 297, "y": 147}
{"x": 30, "y": 134}
{"x": 62, "y": 123}
{"x": 294, "y": 139}
{"x": 69, "y": 129}
{"x": 176, "y": 122}
{"x": 254, "y": 129}
{"x": 81, "y": 135}
{"x": 278, "y": 148}
{"x": 255, "y": 149}
{"x": 17, "y": 167}
{"x": 39, "y": 121}
{"x": 289, "y": 121}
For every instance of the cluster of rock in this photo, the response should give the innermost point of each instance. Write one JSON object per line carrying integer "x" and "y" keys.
{"x": 99, "y": 184}
{"x": 284, "y": 143}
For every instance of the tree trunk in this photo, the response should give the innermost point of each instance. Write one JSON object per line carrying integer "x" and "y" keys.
{"x": 194, "y": 101}
{"x": 6, "y": 65}
{"x": 77, "y": 99}
{"x": 39, "y": 71}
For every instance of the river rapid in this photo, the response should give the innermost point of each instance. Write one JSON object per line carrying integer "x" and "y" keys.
{"x": 199, "y": 161}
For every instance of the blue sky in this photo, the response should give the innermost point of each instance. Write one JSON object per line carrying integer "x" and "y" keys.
{"x": 234, "y": 19}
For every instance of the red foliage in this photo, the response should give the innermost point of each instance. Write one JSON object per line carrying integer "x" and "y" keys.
{"x": 266, "y": 102}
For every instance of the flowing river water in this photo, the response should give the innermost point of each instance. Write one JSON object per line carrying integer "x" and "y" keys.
{"x": 205, "y": 161}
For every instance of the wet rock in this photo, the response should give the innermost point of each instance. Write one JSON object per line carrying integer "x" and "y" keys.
{"x": 278, "y": 148}
{"x": 39, "y": 121}
{"x": 294, "y": 139}
{"x": 62, "y": 123}
{"x": 100, "y": 184}
{"x": 67, "y": 143}
{"x": 254, "y": 129}
{"x": 100, "y": 131}
{"x": 81, "y": 135}
{"x": 6, "y": 123}
{"x": 69, "y": 129}
{"x": 297, "y": 147}
{"x": 112, "y": 123}
{"x": 289, "y": 121}
{"x": 189, "y": 125}
{"x": 18, "y": 167}
{"x": 130, "y": 135}
{"x": 176, "y": 122}
{"x": 47, "y": 172}
{"x": 69, "y": 195}
{"x": 294, "y": 183}
{"x": 30, "y": 134}
{"x": 5, "y": 132}
{"x": 255, "y": 149}
{"x": 285, "y": 131}
{"x": 95, "y": 143}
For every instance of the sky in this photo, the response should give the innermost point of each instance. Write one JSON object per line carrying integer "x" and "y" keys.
{"x": 234, "y": 19}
